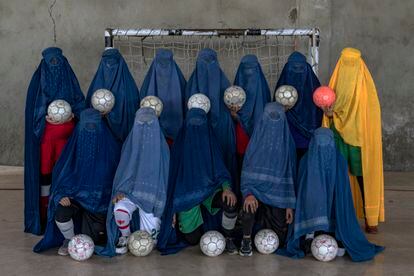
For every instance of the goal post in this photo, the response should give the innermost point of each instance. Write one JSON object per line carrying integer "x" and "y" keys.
{"x": 271, "y": 46}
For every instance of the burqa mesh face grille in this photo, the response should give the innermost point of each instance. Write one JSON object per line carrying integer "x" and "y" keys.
{"x": 272, "y": 47}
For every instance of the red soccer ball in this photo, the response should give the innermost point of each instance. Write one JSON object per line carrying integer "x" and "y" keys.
{"x": 324, "y": 97}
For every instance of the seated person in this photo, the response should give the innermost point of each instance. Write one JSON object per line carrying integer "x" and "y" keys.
{"x": 82, "y": 184}
{"x": 140, "y": 184}
{"x": 268, "y": 177}
{"x": 324, "y": 202}
{"x": 200, "y": 196}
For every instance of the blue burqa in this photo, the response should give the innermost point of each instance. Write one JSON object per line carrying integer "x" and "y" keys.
{"x": 209, "y": 79}
{"x": 165, "y": 80}
{"x": 113, "y": 74}
{"x": 269, "y": 167}
{"x": 250, "y": 77}
{"x": 305, "y": 116}
{"x": 142, "y": 174}
{"x": 324, "y": 200}
{"x": 84, "y": 173}
{"x": 53, "y": 79}
{"x": 197, "y": 170}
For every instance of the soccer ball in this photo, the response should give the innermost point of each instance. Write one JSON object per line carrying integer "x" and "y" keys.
{"x": 153, "y": 102}
{"x": 266, "y": 241}
{"x": 140, "y": 243}
{"x": 59, "y": 111}
{"x": 324, "y": 248}
{"x": 81, "y": 247}
{"x": 212, "y": 243}
{"x": 200, "y": 101}
{"x": 234, "y": 97}
{"x": 103, "y": 100}
{"x": 286, "y": 95}
{"x": 324, "y": 97}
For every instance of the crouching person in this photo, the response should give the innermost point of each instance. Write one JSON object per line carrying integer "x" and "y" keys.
{"x": 268, "y": 175}
{"x": 82, "y": 184}
{"x": 200, "y": 197}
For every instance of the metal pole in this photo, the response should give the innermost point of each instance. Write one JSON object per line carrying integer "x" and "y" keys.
{"x": 109, "y": 39}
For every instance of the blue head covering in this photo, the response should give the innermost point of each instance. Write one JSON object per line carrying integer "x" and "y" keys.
{"x": 84, "y": 172}
{"x": 209, "y": 79}
{"x": 269, "y": 166}
{"x": 305, "y": 116}
{"x": 54, "y": 79}
{"x": 324, "y": 200}
{"x": 165, "y": 80}
{"x": 251, "y": 78}
{"x": 113, "y": 74}
{"x": 197, "y": 170}
{"x": 142, "y": 174}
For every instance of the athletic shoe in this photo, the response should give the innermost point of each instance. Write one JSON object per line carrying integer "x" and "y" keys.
{"x": 307, "y": 246}
{"x": 230, "y": 246}
{"x": 122, "y": 246}
{"x": 341, "y": 252}
{"x": 63, "y": 250}
{"x": 246, "y": 247}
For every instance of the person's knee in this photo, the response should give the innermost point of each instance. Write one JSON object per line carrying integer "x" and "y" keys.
{"x": 228, "y": 209}
{"x": 63, "y": 213}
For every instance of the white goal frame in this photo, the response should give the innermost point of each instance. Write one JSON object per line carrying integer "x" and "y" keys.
{"x": 311, "y": 34}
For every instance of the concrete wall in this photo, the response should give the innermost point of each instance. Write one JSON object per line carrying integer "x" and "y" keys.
{"x": 383, "y": 31}
{"x": 26, "y": 29}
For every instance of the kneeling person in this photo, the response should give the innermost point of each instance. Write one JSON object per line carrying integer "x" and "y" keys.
{"x": 268, "y": 175}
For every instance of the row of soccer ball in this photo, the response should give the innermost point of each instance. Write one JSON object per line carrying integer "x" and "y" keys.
{"x": 140, "y": 243}
{"x": 234, "y": 97}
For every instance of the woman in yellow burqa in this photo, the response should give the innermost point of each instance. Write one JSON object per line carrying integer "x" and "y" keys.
{"x": 355, "y": 119}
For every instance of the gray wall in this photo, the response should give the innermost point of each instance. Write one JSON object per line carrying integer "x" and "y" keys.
{"x": 26, "y": 29}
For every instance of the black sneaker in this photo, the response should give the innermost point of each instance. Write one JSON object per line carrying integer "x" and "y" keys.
{"x": 230, "y": 246}
{"x": 246, "y": 247}
{"x": 307, "y": 246}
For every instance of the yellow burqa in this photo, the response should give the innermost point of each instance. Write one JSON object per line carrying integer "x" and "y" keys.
{"x": 357, "y": 117}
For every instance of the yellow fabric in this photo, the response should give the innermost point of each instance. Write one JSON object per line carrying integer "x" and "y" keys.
{"x": 357, "y": 117}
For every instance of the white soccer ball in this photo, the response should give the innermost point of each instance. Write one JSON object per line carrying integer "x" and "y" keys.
{"x": 324, "y": 248}
{"x": 199, "y": 101}
{"x": 59, "y": 111}
{"x": 81, "y": 247}
{"x": 212, "y": 243}
{"x": 153, "y": 102}
{"x": 234, "y": 97}
{"x": 286, "y": 95}
{"x": 266, "y": 241}
{"x": 140, "y": 243}
{"x": 103, "y": 100}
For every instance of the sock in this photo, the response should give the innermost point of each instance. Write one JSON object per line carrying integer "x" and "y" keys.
{"x": 44, "y": 202}
{"x": 310, "y": 236}
{"x": 122, "y": 219}
{"x": 66, "y": 228}
{"x": 228, "y": 221}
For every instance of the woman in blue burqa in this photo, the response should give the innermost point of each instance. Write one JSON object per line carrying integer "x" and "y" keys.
{"x": 113, "y": 74}
{"x": 304, "y": 117}
{"x": 140, "y": 186}
{"x": 199, "y": 192}
{"x": 208, "y": 79}
{"x": 268, "y": 178}
{"x": 166, "y": 81}
{"x": 53, "y": 79}
{"x": 250, "y": 77}
{"x": 82, "y": 184}
{"x": 324, "y": 202}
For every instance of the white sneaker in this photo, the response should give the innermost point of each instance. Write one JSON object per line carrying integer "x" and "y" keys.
{"x": 63, "y": 250}
{"x": 122, "y": 246}
{"x": 341, "y": 252}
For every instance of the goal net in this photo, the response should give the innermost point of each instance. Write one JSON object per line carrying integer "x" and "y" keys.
{"x": 272, "y": 47}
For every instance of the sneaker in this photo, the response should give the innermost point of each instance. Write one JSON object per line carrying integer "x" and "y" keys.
{"x": 230, "y": 246}
{"x": 341, "y": 252}
{"x": 122, "y": 246}
{"x": 307, "y": 246}
{"x": 246, "y": 247}
{"x": 63, "y": 250}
